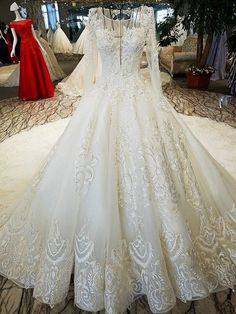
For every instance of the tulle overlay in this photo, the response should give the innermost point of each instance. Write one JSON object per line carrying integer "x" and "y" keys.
{"x": 130, "y": 202}
{"x": 73, "y": 84}
{"x": 60, "y": 42}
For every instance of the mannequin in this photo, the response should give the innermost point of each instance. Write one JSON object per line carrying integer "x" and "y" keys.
{"x": 35, "y": 82}
{"x": 9, "y": 38}
{"x": 15, "y": 8}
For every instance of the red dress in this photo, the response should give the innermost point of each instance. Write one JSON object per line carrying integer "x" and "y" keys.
{"x": 35, "y": 81}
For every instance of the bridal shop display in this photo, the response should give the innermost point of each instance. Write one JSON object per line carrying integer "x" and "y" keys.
{"x": 128, "y": 200}
{"x": 53, "y": 67}
{"x": 35, "y": 81}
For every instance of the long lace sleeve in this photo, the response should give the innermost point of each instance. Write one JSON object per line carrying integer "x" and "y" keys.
{"x": 152, "y": 53}
{"x": 90, "y": 53}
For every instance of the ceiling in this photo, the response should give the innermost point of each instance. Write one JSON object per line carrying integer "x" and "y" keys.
{"x": 79, "y": 3}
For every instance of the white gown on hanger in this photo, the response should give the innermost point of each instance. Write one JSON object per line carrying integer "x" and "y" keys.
{"x": 80, "y": 43}
{"x": 61, "y": 43}
{"x": 128, "y": 200}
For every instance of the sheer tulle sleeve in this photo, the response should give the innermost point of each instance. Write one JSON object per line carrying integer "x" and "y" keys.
{"x": 90, "y": 53}
{"x": 152, "y": 53}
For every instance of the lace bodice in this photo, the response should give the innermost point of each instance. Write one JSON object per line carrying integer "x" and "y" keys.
{"x": 24, "y": 30}
{"x": 120, "y": 43}
{"x": 120, "y": 57}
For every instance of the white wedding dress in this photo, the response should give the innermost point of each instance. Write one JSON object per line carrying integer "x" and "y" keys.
{"x": 128, "y": 200}
{"x": 80, "y": 43}
{"x": 60, "y": 42}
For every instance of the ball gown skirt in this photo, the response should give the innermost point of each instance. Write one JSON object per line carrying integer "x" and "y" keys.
{"x": 80, "y": 43}
{"x": 35, "y": 81}
{"x": 128, "y": 199}
{"x": 61, "y": 43}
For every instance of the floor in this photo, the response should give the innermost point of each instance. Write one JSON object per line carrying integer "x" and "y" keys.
{"x": 201, "y": 103}
{"x": 16, "y": 116}
{"x": 219, "y": 86}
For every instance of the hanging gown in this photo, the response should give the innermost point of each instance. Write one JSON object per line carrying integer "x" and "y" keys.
{"x": 217, "y": 56}
{"x": 128, "y": 199}
{"x": 80, "y": 43}
{"x": 61, "y": 43}
{"x": 35, "y": 81}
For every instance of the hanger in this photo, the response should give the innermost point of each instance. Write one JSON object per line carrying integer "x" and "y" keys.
{"x": 121, "y": 16}
{"x": 125, "y": 10}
